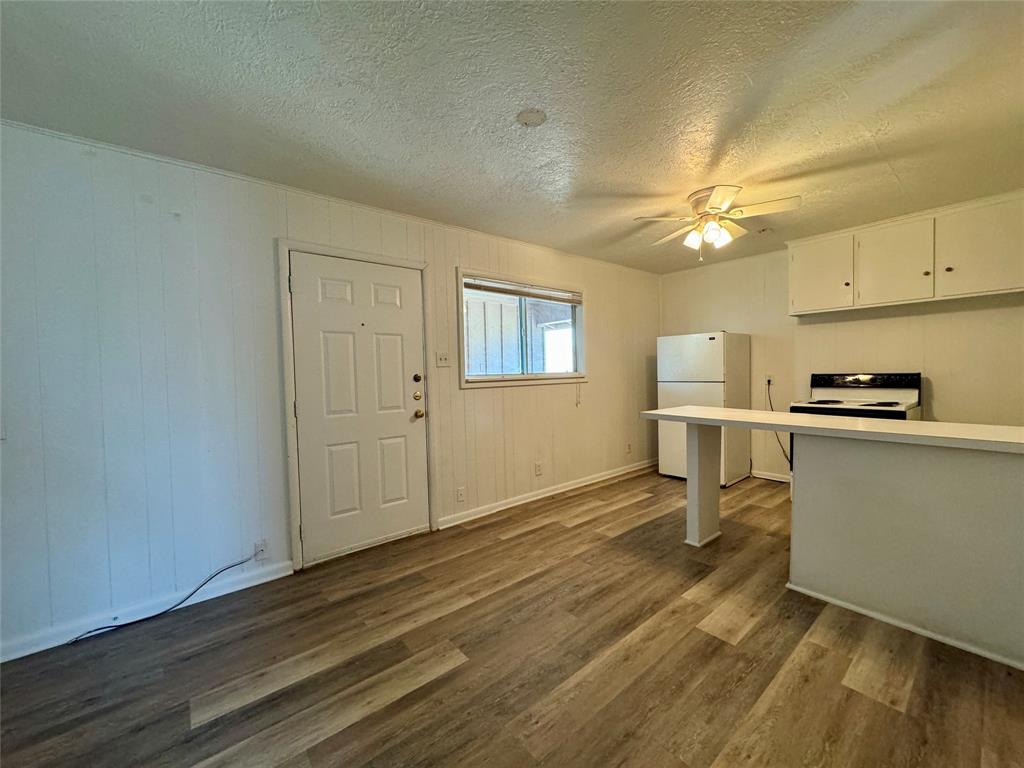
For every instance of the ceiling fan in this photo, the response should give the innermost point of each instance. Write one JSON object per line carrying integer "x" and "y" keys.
{"x": 712, "y": 218}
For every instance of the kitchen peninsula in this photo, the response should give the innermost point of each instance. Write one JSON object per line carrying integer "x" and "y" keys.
{"x": 916, "y": 523}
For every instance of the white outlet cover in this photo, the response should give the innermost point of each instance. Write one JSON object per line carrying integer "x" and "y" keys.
{"x": 442, "y": 360}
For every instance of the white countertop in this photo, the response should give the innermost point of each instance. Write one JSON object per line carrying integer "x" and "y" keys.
{"x": 979, "y": 437}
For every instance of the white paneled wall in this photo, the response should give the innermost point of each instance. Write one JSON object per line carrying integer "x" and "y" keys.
{"x": 143, "y": 410}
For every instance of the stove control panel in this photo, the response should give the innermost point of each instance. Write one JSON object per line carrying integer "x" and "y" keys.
{"x": 866, "y": 380}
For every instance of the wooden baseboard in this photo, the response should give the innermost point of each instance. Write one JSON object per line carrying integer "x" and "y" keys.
{"x": 778, "y": 476}
{"x": 51, "y": 637}
{"x": 488, "y": 509}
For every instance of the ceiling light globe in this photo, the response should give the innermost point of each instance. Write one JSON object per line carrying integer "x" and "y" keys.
{"x": 712, "y": 230}
{"x": 692, "y": 239}
{"x": 724, "y": 238}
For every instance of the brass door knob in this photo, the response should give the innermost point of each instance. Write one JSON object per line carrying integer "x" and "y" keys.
{"x": 927, "y": 272}
{"x": 417, "y": 395}
{"x": 417, "y": 377}
{"x": 418, "y": 413}
{"x": 847, "y": 283}
{"x": 949, "y": 269}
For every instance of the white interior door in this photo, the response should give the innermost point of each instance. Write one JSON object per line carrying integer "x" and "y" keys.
{"x": 358, "y": 340}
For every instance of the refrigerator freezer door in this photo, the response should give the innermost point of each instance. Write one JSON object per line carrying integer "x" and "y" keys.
{"x": 693, "y": 357}
{"x": 672, "y": 435}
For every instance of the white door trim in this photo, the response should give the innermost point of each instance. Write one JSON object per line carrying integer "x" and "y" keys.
{"x": 284, "y": 249}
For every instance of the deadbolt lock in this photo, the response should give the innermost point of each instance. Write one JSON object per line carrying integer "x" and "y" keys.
{"x": 417, "y": 377}
{"x": 417, "y": 395}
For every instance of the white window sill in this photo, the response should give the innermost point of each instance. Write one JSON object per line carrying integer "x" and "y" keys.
{"x": 520, "y": 381}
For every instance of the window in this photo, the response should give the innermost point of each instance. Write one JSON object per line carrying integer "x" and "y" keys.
{"x": 518, "y": 332}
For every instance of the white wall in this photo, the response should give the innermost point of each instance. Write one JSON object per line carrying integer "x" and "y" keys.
{"x": 970, "y": 351}
{"x": 143, "y": 409}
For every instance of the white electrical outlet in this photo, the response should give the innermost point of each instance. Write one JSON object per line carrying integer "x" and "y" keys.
{"x": 629, "y": 447}
{"x": 442, "y": 360}
{"x": 460, "y": 494}
{"x": 259, "y": 550}
{"x": 538, "y": 468}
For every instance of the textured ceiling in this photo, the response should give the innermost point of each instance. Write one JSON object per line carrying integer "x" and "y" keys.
{"x": 867, "y": 110}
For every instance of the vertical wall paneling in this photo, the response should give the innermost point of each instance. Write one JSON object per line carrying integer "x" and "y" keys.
{"x": 120, "y": 353}
{"x": 143, "y": 411}
{"x": 70, "y": 373}
{"x": 25, "y": 584}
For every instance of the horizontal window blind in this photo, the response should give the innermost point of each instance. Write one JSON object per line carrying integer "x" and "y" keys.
{"x": 519, "y": 289}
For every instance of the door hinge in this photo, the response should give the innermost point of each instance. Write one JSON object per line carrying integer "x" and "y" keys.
{"x": 289, "y": 282}
{"x": 300, "y": 531}
{"x": 295, "y": 409}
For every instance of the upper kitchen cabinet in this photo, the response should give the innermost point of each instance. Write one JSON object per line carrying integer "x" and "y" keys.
{"x": 821, "y": 274}
{"x": 980, "y": 249}
{"x": 894, "y": 263}
{"x": 969, "y": 249}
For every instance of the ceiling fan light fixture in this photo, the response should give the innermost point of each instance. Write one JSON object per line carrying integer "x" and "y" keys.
{"x": 724, "y": 238}
{"x": 712, "y": 231}
{"x": 693, "y": 239}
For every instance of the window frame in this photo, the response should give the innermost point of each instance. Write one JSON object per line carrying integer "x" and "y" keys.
{"x": 518, "y": 379}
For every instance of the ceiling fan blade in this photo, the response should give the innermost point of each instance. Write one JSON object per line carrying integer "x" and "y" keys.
{"x": 732, "y": 228}
{"x": 760, "y": 209}
{"x": 682, "y": 219}
{"x": 674, "y": 235}
{"x": 721, "y": 198}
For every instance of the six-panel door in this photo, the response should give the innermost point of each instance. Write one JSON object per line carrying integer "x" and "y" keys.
{"x": 358, "y": 341}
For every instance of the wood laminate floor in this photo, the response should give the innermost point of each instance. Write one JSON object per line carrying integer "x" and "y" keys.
{"x": 573, "y": 631}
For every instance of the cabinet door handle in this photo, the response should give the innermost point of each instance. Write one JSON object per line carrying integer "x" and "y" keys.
{"x": 927, "y": 272}
{"x": 949, "y": 269}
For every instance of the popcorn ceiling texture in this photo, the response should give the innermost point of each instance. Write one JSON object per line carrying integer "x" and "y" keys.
{"x": 867, "y": 110}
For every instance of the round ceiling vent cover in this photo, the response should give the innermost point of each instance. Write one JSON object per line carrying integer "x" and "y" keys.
{"x": 531, "y": 118}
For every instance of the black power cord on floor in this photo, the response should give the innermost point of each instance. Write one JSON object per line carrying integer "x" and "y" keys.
{"x": 777, "y": 438}
{"x": 183, "y": 600}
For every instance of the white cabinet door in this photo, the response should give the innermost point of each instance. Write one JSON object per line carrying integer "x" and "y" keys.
{"x": 821, "y": 274}
{"x": 358, "y": 334}
{"x": 895, "y": 262}
{"x": 980, "y": 250}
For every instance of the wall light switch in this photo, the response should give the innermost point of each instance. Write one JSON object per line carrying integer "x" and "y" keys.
{"x": 442, "y": 360}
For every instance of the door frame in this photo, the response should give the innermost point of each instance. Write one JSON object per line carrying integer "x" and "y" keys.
{"x": 285, "y": 247}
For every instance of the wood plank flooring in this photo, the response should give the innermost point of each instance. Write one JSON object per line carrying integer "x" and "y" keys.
{"x": 577, "y": 630}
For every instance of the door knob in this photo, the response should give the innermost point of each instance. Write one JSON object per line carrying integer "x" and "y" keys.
{"x": 949, "y": 269}
{"x": 416, "y": 377}
{"x": 418, "y": 413}
{"x": 927, "y": 272}
{"x": 417, "y": 395}
{"x": 847, "y": 283}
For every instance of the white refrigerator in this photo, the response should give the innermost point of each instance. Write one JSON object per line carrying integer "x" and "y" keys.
{"x": 704, "y": 369}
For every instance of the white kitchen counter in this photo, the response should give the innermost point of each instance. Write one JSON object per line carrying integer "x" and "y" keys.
{"x": 916, "y": 523}
{"x": 981, "y": 437}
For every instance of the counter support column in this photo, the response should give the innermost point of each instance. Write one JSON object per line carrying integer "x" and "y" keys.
{"x": 703, "y": 471}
